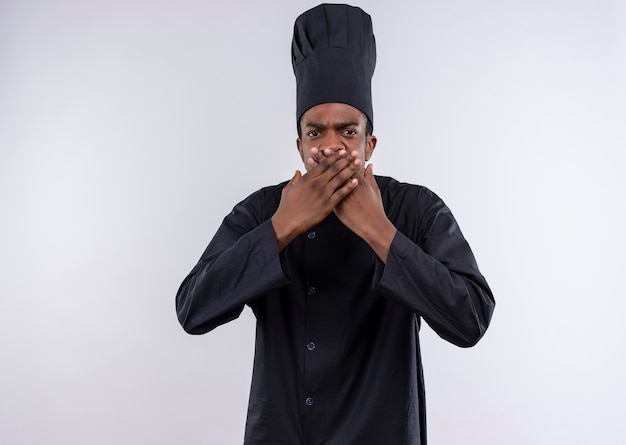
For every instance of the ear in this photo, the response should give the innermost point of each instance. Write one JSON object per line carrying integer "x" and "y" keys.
{"x": 370, "y": 145}
{"x": 299, "y": 145}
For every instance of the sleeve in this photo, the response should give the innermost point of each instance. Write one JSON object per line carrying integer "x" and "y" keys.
{"x": 240, "y": 264}
{"x": 434, "y": 273}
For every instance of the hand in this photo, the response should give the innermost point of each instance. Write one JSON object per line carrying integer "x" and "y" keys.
{"x": 307, "y": 199}
{"x": 362, "y": 212}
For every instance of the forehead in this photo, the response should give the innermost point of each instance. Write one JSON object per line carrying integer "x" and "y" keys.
{"x": 333, "y": 113}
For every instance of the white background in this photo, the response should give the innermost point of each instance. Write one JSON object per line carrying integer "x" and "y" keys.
{"x": 129, "y": 129}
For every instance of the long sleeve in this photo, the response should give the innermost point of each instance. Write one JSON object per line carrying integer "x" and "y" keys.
{"x": 431, "y": 269}
{"x": 240, "y": 264}
{"x": 337, "y": 355}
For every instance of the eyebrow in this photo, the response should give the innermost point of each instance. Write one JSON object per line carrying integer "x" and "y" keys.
{"x": 340, "y": 125}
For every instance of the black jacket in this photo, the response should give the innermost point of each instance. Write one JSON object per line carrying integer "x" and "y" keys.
{"x": 337, "y": 358}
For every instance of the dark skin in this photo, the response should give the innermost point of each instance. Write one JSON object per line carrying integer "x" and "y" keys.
{"x": 334, "y": 147}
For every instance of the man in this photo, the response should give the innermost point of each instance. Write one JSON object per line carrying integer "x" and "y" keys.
{"x": 338, "y": 266}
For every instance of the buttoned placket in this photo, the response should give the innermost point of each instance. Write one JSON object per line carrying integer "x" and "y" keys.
{"x": 310, "y": 345}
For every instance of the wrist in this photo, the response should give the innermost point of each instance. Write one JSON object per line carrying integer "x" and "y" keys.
{"x": 283, "y": 231}
{"x": 380, "y": 237}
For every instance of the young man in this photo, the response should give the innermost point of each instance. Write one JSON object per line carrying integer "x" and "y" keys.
{"x": 338, "y": 265}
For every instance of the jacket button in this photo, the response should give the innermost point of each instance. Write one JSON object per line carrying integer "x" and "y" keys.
{"x": 309, "y": 401}
{"x": 311, "y": 234}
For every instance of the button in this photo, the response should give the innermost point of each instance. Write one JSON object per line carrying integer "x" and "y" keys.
{"x": 310, "y": 346}
{"x": 309, "y": 401}
{"x": 311, "y": 234}
{"x": 311, "y": 291}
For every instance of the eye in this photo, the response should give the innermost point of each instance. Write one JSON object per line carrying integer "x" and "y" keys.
{"x": 313, "y": 133}
{"x": 350, "y": 132}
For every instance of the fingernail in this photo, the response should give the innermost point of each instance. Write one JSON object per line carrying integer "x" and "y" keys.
{"x": 342, "y": 152}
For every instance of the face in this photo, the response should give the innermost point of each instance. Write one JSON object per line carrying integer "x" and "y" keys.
{"x": 335, "y": 126}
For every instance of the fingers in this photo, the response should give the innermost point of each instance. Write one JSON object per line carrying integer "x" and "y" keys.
{"x": 316, "y": 156}
{"x": 329, "y": 163}
{"x": 344, "y": 191}
{"x": 314, "y": 159}
{"x": 332, "y": 174}
{"x": 326, "y": 165}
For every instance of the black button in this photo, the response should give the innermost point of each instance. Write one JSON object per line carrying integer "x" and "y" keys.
{"x": 310, "y": 346}
{"x": 311, "y": 291}
{"x": 311, "y": 234}
{"x": 309, "y": 401}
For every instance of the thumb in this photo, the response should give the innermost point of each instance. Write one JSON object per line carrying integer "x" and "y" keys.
{"x": 369, "y": 176}
{"x": 296, "y": 177}
{"x": 369, "y": 171}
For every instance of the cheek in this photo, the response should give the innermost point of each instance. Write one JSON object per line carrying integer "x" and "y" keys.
{"x": 305, "y": 154}
{"x": 361, "y": 147}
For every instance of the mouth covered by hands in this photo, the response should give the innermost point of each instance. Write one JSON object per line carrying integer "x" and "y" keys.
{"x": 335, "y": 181}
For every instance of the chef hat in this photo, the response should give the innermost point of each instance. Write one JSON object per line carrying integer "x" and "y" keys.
{"x": 333, "y": 55}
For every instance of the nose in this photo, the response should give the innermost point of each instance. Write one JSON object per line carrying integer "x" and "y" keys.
{"x": 332, "y": 141}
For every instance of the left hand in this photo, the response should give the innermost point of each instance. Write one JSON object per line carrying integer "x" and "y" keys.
{"x": 362, "y": 211}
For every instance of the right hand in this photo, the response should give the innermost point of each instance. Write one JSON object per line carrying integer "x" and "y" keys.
{"x": 307, "y": 199}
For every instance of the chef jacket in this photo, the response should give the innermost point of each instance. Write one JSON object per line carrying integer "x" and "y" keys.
{"x": 337, "y": 355}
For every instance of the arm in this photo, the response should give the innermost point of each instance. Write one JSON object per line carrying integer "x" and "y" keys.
{"x": 241, "y": 263}
{"x": 432, "y": 271}
{"x": 307, "y": 200}
{"x": 363, "y": 212}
